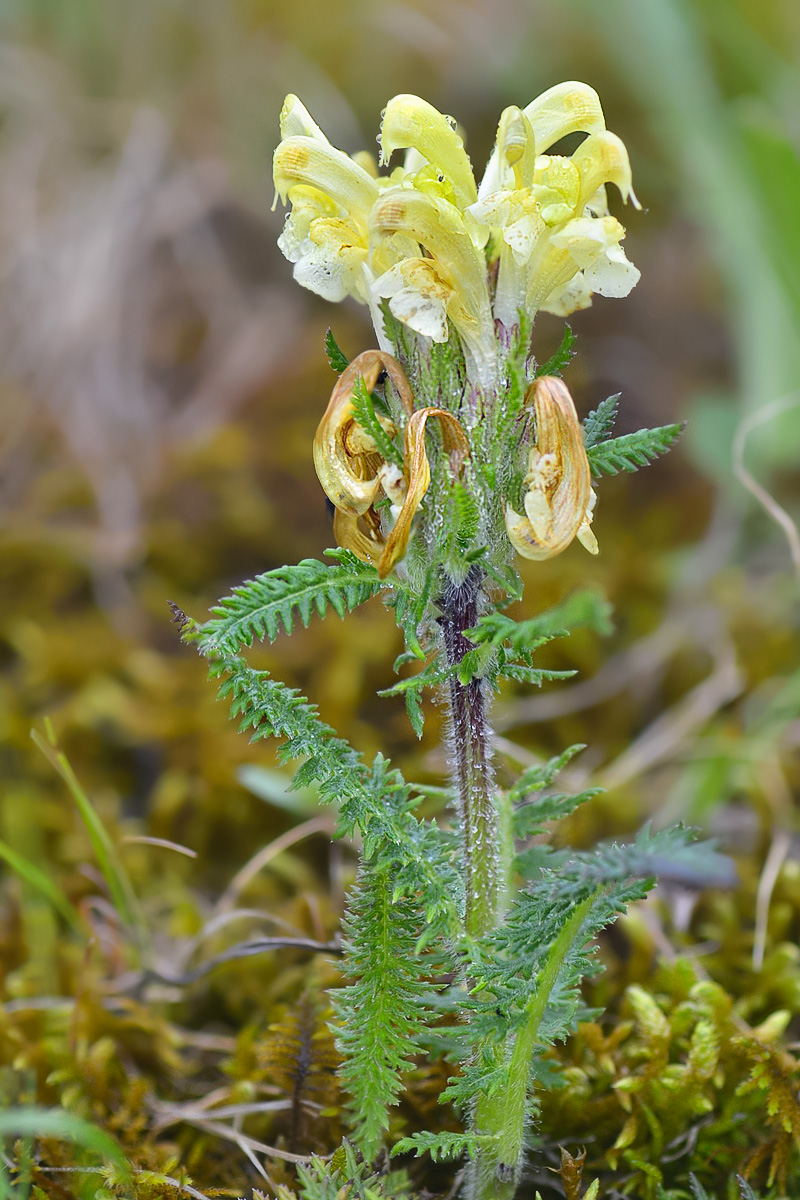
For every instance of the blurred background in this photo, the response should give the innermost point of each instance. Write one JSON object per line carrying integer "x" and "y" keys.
{"x": 161, "y": 377}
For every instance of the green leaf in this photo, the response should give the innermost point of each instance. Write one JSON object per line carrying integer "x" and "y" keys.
{"x": 380, "y": 1013}
{"x": 336, "y": 356}
{"x": 599, "y": 423}
{"x": 373, "y": 799}
{"x": 698, "y": 1191}
{"x": 534, "y": 779}
{"x": 442, "y": 1146}
{"x": 115, "y": 875}
{"x": 364, "y": 413}
{"x": 260, "y": 607}
{"x": 531, "y": 818}
{"x": 411, "y": 688}
{"x": 533, "y": 676}
{"x": 632, "y": 450}
{"x": 745, "y": 1190}
{"x": 56, "y": 1123}
{"x": 37, "y": 879}
{"x": 562, "y": 357}
{"x": 585, "y": 608}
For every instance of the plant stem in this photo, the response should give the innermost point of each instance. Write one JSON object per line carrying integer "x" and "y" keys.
{"x": 472, "y": 763}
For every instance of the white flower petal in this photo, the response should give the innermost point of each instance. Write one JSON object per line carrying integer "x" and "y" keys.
{"x": 612, "y": 274}
{"x": 570, "y": 298}
{"x": 424, "y": 314}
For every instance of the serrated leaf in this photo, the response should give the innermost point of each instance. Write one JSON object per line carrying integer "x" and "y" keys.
{"x": 536, "y": 778}
{"x": 364, "y": 413}
{"x": 336, "y": 356}
{"x": 632, "y": 450}
{"x": 599, "y": 423}
{"x": 442, "y": 1146}
{"x": 268, "y": 604}
{"x": 531, "y": 818}
{"x": 562, "y": 357}
{"x": 533, "y": 676}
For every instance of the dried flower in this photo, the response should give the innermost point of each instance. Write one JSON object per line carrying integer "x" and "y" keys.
{"x": 559, "y": 500}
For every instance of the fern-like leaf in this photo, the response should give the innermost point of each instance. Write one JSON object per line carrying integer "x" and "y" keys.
{"x": 534, "y": 779}
{"x": 599, "y": 423}
{"x": 263, "y": 606}
{"x": 336, "y": 356}
{"x": 520, "y": 639}
{"x": 380, "y": 1013}
{"x": 434, "y": 673}
{"x": 632, "y": 450}
{"x": 532, "y": 676}
{"x": 562, "y": 357}
{"x": 372, "y": 799}
{"x": 442, "y": 1146}
{"x": 531, "y": 819}
{"x": 364, "y": 413}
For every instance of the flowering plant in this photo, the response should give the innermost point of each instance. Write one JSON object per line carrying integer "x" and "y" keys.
{"x": 445, "y": 452}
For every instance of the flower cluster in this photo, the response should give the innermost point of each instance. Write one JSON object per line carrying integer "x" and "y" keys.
{"x": 442, "y": 250}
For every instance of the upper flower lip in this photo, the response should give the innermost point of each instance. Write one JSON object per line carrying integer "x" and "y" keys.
{"x": 307, "y": 160}
{"x": 410, "y": 123}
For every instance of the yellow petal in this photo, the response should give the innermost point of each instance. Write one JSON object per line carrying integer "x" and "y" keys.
{"x": 351, "y": 481}
{"x": 602, "y": 158}
{"x": 438, "y": 227}
{"x": 566, "y": 108}
{"x": 516, "y": 145}
{"x": 296, "y": 120}
{"x": 418, "y": 476}
{"x": 305, "y": 160}
{"x": 558, "y": 477}
{"x": 410, "y": 123}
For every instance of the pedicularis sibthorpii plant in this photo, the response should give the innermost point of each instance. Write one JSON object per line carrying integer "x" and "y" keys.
{"x": 446, "y": 452}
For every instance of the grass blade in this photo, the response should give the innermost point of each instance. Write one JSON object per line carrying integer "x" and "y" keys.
{"x": 54, "y": 1122}
{"x": 42, "y": 883}
{"x": 115, "y": 875}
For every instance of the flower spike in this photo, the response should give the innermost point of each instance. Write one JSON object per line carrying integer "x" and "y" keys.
{"x": 559, "y": 497}
{"x": 536, "y": 234}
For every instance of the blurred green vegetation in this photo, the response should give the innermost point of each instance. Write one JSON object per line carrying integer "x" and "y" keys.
{"x": 162, "y": 378}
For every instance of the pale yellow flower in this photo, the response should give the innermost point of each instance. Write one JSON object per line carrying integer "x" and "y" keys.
{"x": 426, "y": 239}
{"x": 452, "y": 282}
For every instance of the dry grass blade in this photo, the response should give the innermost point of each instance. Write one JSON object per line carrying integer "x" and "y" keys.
{"x": 771, "y": 506}
{"x": 259, "y": 861}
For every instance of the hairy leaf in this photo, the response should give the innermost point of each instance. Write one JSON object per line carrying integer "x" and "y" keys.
{"x": 632, "y": 450}
{"x": 562, "y": 357}
{"x": 336, "y": 356}
{"x": 263, "y": 606}
{"x": 380, "y": 1013}
{"x": 599, "y": 423}
{"x": 533, "y": 779}
{"x": 441, "y": 1146}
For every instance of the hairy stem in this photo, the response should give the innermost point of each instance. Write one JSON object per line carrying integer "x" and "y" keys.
{"x": 472, "y": 763}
